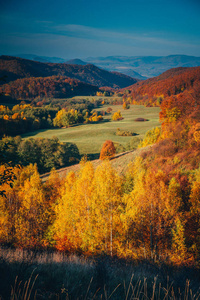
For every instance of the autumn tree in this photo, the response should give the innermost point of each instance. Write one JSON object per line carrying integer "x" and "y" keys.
{"x": 117, "y": 116}
{"x": 106, "y": 209}
{"x": 195, "y": 212}
{"x": 73, "y": 226}
{"x": 32, "y": 220}
{"x": 108, "y": 150}
{"x": 9, "y": 204}
{"x": 126, "y": 105}
{"x": 151, "y": 137}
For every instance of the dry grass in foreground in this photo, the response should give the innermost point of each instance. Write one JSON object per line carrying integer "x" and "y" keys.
{"x": 27, "y": 275}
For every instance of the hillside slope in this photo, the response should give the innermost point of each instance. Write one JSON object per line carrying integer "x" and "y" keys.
{"x": 119, "y": 162}
{"x": 53, "y": 86}
{"x": 12, "y": 68}
{"x": 170, "y": 83}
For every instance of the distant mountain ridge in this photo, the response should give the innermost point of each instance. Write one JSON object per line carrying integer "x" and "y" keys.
{"x": 41, "y": 58}
{"x": 12, "y": 68}
{"x": 139, "y": 67}
{"x": 76, "y": 61}
{"x": 147, "y": 66}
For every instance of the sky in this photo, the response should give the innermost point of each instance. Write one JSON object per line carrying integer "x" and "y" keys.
{"x": 90, "y": 28}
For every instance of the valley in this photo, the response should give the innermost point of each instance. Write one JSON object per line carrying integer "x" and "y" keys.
{"x": 90, "y": 137}
{"x": 100, "y": 150}
{"x": 62, "y": 208}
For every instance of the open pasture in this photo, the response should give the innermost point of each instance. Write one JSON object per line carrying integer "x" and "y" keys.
{"x": 90, "y": 137}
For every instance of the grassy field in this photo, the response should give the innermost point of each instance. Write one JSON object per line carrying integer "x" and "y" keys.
{"x": 90, "y": 137}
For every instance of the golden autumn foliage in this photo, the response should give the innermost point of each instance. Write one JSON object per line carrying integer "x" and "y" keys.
{"x": 3, "y": 108}
{"x": 86, "y": 213}
{"x": 6, "y": 117}
{"x": 151, "y": 137}
{"x": 140, "y": 215}
{"x": 108, "y": 150}
{"x": 95, "y": 117}
{"x": 150, "y": 212}
{"x": 24, "y": 210}
{"x": 117, "y": 116}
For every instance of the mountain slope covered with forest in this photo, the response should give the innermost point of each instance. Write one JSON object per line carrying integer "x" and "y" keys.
{"x": 12, "y": 68}
{"x": 173, "y": 82}
{"x": 51, "y": 87}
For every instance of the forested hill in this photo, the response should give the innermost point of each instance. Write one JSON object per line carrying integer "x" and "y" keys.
{"x": 53, "y": 86}
{"x": 171, "y": 83}
{"x": 12, "y": 68}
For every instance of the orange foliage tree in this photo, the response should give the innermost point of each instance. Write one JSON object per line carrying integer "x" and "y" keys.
{"x": 108, "y": 150}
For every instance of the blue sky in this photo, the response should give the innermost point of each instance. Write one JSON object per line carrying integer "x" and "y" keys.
{"x": 84, "y": 28}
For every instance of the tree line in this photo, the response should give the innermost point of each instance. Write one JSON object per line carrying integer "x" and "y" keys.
{"x": 46, "y": 153}
{"x": 152, "y": 211}
{"x": 144, "y": 214}
{"x": 24, "y": 118}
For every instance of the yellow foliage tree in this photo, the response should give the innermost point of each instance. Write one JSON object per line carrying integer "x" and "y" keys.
{"x": 73, "y": 226}
{"x": 106, "y": 206}
{"x": 151, "y": 137}
{"x": 6, "y": 117}
{"x": 195, "y": 209}
{"x": 117, "y": 116}
{"x": 178, "y": 242}
{"x": 32, "y": 219}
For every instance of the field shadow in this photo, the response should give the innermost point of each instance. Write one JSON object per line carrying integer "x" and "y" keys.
{"x": 141, "y": 120}
{"x": 55, "y": 275}
{"x": 93, "y": 156}
{"x": 35, "y": 132}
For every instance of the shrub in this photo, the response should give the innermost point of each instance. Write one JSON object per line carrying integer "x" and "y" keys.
{"x": 126, "y": 105}
{"x": 133, "y": 144}
{"x": 108, "y": 150}
{"x": 117, "y": 116}
{"x": 109, "y": 109}
{"x": 151, "y": 137}
{"x": 125, "y": 132}
{"x": 140, "y": 120}
{"x": 119, "y": 148}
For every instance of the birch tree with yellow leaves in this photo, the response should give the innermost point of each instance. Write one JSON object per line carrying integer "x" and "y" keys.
{"x": 107, "y": 206}
{"x": 73, "y": 225}
{"x": 33, "y": 215}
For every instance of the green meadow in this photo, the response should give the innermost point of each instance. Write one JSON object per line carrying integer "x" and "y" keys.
{"x": 90, "y": 137}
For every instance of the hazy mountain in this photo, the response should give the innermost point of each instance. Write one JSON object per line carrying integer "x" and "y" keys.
{"x": 139, "y": 67}
{"x": 130, "y": 72}
{"x": 76, "y": 61}
{"x": 12, "y": 68}
{"x": 147, "y": 66}
{"x": 41, "y": 58}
